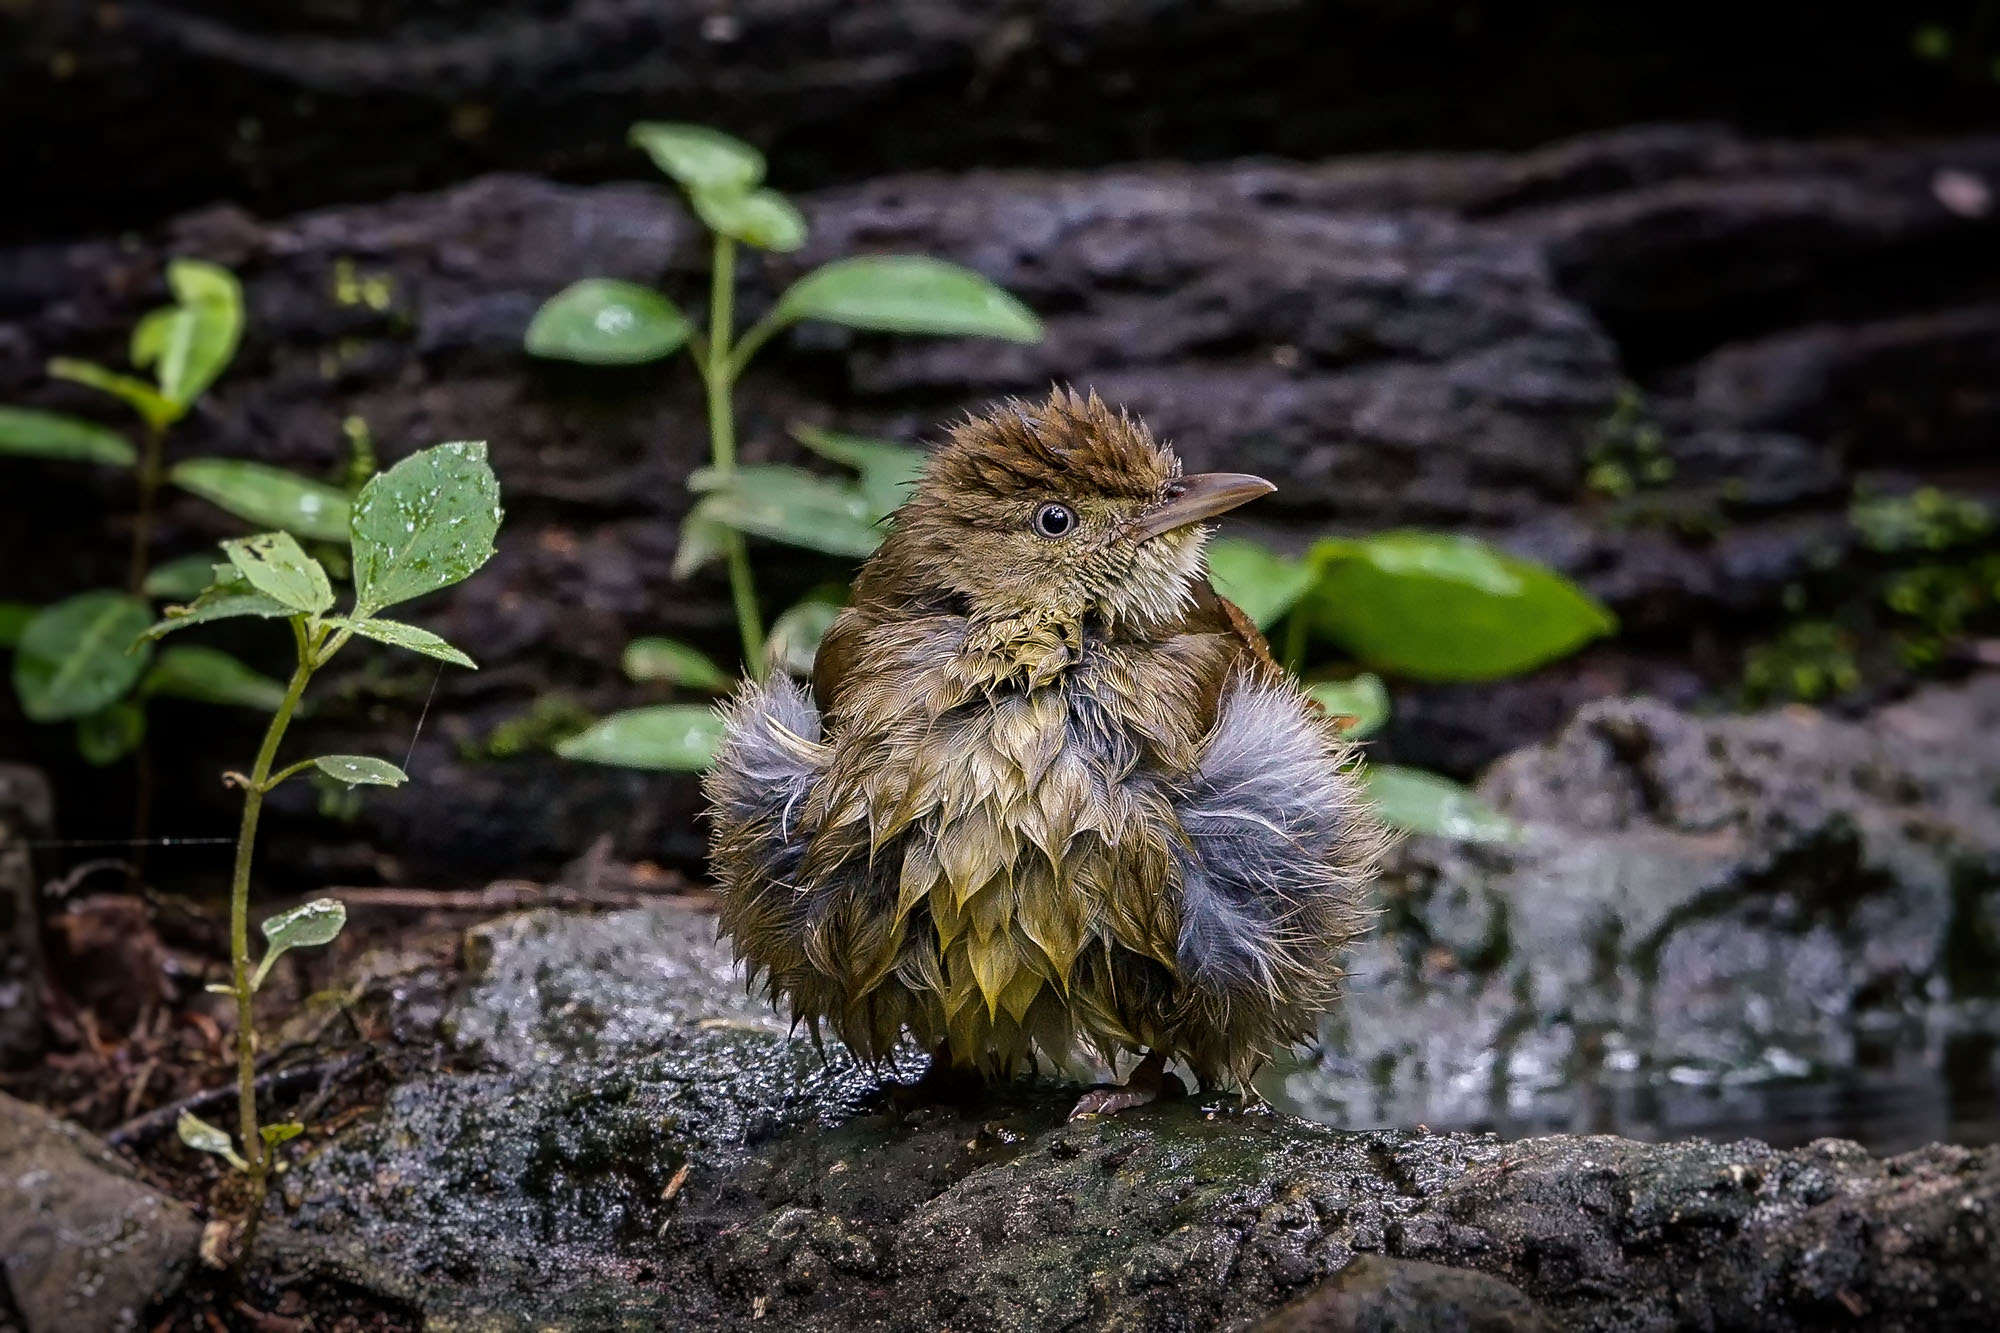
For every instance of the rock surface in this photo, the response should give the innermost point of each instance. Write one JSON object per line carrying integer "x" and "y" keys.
{"x": 1699, "y": 908}
{"x": 26, "y": 815}
{"x": 1375, "y": 1294}
{"x": 1444, "y": 340}
{"x": 682, "y": 1166}
{"x": 85, "y": 1246}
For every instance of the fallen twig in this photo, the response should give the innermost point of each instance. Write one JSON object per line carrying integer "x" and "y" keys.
{"x": 68, "y": 884}
{"x": 504, "y": 896}
{"x": 145, "y": 1128}
{"x": 139, "y": 1082}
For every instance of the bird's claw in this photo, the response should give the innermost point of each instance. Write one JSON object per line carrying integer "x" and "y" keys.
{"x": 1149, "y": 1083}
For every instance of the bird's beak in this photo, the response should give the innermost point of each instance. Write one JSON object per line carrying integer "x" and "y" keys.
{"x": 1204, "y": 495}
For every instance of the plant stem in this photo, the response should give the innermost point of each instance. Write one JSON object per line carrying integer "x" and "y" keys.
{"x": 254, "y": 1150}
{"x": 135, "y": 581}
{"x": 1295, "y": 642}
{"x": 719, "y": 372}
{"x": 142, "y": 522}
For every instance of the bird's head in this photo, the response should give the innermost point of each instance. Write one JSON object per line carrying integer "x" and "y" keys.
{"x": 1059, "y": 510}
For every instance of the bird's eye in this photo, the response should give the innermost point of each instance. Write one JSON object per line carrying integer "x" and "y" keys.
{"x": 1054, "y": 520}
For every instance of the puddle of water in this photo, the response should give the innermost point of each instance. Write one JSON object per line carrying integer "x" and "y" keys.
{"x": 1893, "y": 1101}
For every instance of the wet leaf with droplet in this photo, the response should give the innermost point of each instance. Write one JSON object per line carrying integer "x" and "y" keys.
{"x": 276, "y": 565}
{"x": 425, "y": 524}
{"x": 359, "y": 770}
{"x": 606, "y": 322}
{"x": 270, "y": 497}
{"x": 680, "y": 738}
{"x": 416, "y": 639}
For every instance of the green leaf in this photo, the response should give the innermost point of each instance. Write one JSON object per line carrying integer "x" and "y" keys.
{"x": 698, "y": 157}
{"x": 153, "y": 407}
{"x": 888, "y": 470}
{"x": 269, "y": 497}
{"x": 1440, "y": 607}
{"x": 908, "y": 294}
{"x": 359, "y": 770}
{"x": 680, "y": 738}
{"x": 31, "y": 434}
{"x": 796, "y": 635}
{"x": 606, "y": 322}
{"x": 702, "y": 540}
{"x": 425, "y": 524}
{"x": 153, "y": 332}
{"x": 403, "y": 635}
{"x": 276, "y": 565}
{"x": 790, "y": 505}
{"x": 164, "y": 338}
{"x": 207, "y": 675}
{"x": 229, "y": 596}
{"x": 1262, "y": 582}
{"x": 183, "y": 579}
{"x": 1364, "y": 698}
{"x": 282, "y": 1132}
{"x": 14, "y": 618}
{"x": 1420, "y": 802}
{"x": 201, "y": 1136}
{"x": 761, "y": 217}
{"x": 111, "y": 733}
{"x": 77, "y": 656}
{"x": 307, "y": 926}
{"x": 191, "y": 344}
{"x": 674, "y": 662}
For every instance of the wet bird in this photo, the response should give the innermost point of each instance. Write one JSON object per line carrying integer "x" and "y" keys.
{"x": 1049, "y": 793}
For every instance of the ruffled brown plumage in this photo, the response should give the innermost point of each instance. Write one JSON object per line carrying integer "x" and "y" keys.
{"x": 1049, "y": 791}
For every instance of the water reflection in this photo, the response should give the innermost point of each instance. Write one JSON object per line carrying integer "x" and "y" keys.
{"x": 1897, "y": 1097}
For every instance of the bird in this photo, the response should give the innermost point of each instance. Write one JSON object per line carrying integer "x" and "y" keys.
{"x": 1047, "y": 796}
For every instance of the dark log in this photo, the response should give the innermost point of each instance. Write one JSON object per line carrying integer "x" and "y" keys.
{"x": 119, "y": 114}
{"x": 1438, "y": 340}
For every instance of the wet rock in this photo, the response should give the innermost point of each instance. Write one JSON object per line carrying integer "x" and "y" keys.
{"x": 552, "y": 989}
{"x": 26, "y": 812}
{"x": 705, "y": 1172}
{"x": 1374, "y": 1294}
{"x": 1917, "y": 370}
{"x": 86, "y": 1246}
{"x": 1700, "y": 907}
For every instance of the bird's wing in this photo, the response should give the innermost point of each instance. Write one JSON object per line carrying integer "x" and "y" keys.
{"x": 839, "y": 652}
{"x": 1213, "y": 613}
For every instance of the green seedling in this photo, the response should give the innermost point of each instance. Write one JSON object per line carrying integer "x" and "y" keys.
{"x": 425, "y": 524}
{"x": 72, "y": 662}
{"x": 608, "y": 321}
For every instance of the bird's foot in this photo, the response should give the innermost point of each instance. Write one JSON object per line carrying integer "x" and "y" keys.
{"x": 1149, "y": 1083}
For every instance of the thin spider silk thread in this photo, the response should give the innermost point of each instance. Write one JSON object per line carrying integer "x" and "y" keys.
{"x": 419, "y": 730}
